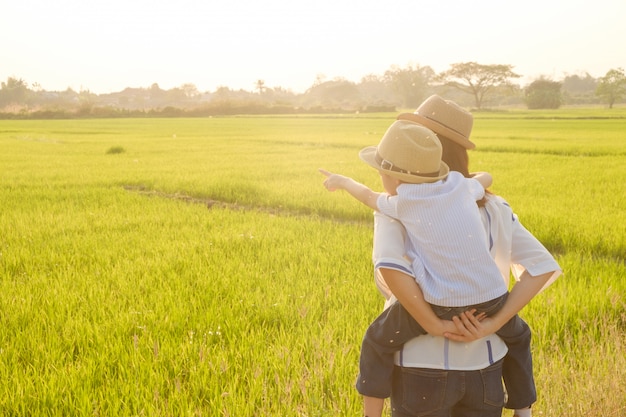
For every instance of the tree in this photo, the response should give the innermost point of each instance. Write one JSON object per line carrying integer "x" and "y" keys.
{"x": 336, "y": 94}
{"x": 157, "y": 96}
{"x": 579, "y": 89}
{"x": 411, "y": 84}
{"x": 14, "y": 91}
{"x": 190, "y": 90}
{"x": 260, "y": 86}
{"x": 544, "y": 94}
{"x": 376, "y": 93}
{"x": 477, "y": 79}
{"x": 579, "y": 83}
{"x": 612, "y": 86}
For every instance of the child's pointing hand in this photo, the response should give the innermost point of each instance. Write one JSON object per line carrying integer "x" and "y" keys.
{"x": 332, "y": 181}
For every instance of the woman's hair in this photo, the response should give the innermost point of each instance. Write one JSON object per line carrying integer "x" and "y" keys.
{"x": 457, "y": 159}
{"x": 455, "y": 156}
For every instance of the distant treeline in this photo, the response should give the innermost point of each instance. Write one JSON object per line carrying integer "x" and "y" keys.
{"x": 170, "y": 111}
{"x": 397, "y": 88}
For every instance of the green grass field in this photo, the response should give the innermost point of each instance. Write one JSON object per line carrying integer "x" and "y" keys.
{"x": 198, "y": 267}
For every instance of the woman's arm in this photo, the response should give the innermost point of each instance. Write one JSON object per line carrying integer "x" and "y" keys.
{"x": 469, "y": 329}
{"x": 410, "y": 295}
{"x": 515, "y": 249}
{"x": 520, "y": 295}
{"x": 394, "y": 275}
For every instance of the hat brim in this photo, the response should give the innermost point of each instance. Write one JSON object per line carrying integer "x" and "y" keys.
{"x": 368, "y": 155}
{"x": 438, "y": 128}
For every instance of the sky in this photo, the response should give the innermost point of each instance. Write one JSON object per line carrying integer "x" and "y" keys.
{"x": 104, "y": 46}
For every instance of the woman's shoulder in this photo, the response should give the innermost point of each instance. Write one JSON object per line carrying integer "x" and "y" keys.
{"x": 496, "y": 202}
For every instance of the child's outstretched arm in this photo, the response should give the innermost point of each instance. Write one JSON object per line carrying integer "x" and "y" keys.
{"x": 355, "y": 189}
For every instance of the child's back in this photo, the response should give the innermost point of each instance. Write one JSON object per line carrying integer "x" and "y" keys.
{"x": 452, "y": 263}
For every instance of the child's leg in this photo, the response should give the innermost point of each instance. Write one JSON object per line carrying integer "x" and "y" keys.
{"x": 383, "y": 338}
{"x": 517, "y": 370}
{"x": 372, "y": 406}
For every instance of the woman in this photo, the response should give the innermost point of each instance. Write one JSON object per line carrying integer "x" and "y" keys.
{"x": 435, "y": 376}
{"x": 514, "y": 249}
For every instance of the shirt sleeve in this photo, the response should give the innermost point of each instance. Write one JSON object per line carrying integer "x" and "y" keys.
{"x": 527, "y": 253}
{"x": 389, "y": 250}
{"x": 513, "y": 247}
{"x": 388, "y": 205}
{"x": 389, "y": 245}
{"x": 475, "y": 188}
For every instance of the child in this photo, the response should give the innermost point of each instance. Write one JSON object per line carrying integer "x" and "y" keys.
{"x": 446, "y": 241}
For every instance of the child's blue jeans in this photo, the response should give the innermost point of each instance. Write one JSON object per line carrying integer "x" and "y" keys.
{"x": 395, "y": 326}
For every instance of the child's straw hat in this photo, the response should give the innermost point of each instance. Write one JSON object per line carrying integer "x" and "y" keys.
{"x": 408, "y": 151}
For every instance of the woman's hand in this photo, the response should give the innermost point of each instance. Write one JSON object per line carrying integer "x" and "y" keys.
{"x": 471, "y": 326}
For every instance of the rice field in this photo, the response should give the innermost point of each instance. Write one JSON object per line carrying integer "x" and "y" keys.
{"x": 198, "y": 267}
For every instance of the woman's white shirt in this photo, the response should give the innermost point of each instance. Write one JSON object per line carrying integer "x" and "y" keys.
{"x": 514, "y": 250}
{"x": 513, "y": 247}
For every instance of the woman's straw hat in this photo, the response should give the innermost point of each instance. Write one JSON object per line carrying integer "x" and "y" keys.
{"x": 408, "y": 151}
{"x": 445, "y": 118}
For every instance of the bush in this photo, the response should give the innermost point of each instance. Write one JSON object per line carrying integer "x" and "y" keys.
{"x": 115, "y": 149}
{"x": 544, "y": 94}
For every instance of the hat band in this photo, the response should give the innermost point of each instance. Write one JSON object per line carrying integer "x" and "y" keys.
{"x": 438, "y": 122}
{"x": 389, "y": 166}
